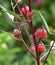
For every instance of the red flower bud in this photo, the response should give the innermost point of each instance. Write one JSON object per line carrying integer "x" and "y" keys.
{"x": 41, "y": 48}
{"x": 24, "y": 10}
{"x": 41, "y": 33}
{"x": 16, "y": 32}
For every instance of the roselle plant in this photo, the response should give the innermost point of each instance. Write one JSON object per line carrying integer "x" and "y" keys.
{"x": 35, "y": 36}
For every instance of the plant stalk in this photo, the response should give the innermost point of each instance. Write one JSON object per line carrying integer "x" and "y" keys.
{"x": 36, "y": 46}
{"x": 22, "y": 40}
{"x": 48, "y": 53}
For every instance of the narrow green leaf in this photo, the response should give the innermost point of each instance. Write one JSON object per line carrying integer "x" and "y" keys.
{"x": 44, "y": 21}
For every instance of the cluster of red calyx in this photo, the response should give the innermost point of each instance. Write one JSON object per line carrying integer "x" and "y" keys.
{"x": 41, "y": 33}
{"x": 41, "y": 48}
{"x": 25, "y": 12}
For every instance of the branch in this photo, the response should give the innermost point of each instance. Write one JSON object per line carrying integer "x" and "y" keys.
{"x": 26, "y": 31}
{"x": 19, "y": 8}
{"x": 32, "y": 31}
{"x": 22, "y": 40}
{"x": 13, "y": 7}
{"x": 29, "y": 2}
{"x": 44, "y": 55}
{"x": 48, "y": 53}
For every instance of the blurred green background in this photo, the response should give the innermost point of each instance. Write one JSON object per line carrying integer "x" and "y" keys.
{"x": 11, "y": 50}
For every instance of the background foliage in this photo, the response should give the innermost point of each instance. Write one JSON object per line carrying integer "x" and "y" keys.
{"x": 11, "y": 51}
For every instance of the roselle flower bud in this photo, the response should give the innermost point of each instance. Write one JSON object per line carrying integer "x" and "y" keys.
{"x": 17, "y": 33}
{"x": 41, "y": 48}
{"x": 24, "y": 10}
{"x": 41, "y": 33}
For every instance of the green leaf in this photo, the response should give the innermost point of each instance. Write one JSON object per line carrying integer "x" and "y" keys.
{"x": 8, "y": 17}
{"x": 14, "y": 14}
{"x": 10, "y": 12}
{"x": 14, "y": 50}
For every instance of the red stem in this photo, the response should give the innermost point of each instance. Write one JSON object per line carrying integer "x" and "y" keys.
{"x": 29, "y": 2}
{"x": 36, "y": 46}
{"x": 22, "y": 40}
{"x": 27, "y": 33}
{"x": 32, "y": 31}
{"x": 19, "y": 8}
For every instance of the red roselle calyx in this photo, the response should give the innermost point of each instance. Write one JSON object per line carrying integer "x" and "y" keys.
{"x": 41, "y": 33}
{"x": 25, "y": 11}
{"x": 41, "y": 48}
{"x": 17, "y": 33}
